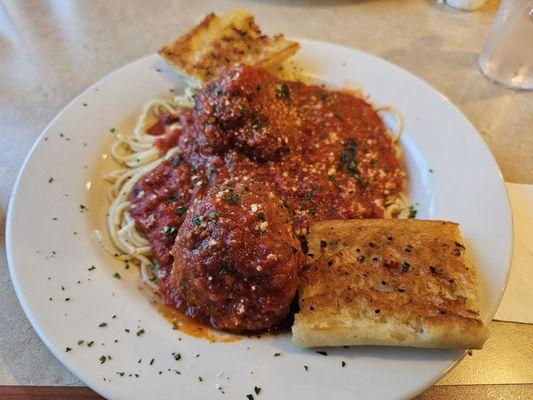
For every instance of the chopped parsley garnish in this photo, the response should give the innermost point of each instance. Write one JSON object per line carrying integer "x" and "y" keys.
{"x": 51, "y": 179}
{"x": 80, "y": 342}
{"x": 213, "y": 214}
{"x": 68, "y": 349}
{"x": 176, "y": 160}
{"x": 314, "y": 186}
{"x": 140, "y": 332}
{"x": 343, "y": 364}
{"x": 338, "y": 116}
{"x": 117, "y": 275}
{"x": 313, "y": 210}
{"x": 412, "y": 212}
{"x": 169, "y": 230}
{"x": 258, "y": 88}
{"x": 89, "y": 344}
{"x": 405, "y": 267}
{"x": 177, "y": 356}
{"x": 102, "y": 359}
{"x": 308, "y": 196}
{"x": 331, "y": 177}
{"x": 322, "y": 352}
{"x": 373, "y": 161}
{"x": 261, "y": 216}
{"x": 200, "y": 379}
{"x": 349, "y": 157}
{"x": 250, "y": 396}
{"x": 174, "y": 325}
{"x": 112, "y": 130}
{"x": 277, "y": 354}
{"x": 257, "y": 390}
{"x": 196, "y": 219}
{"x": 181, "y": 210}
{"x": 152, "y": 361}
{"x": 233, "y": 197}
{"x": 430, "y": 171}
{"x": 306, "y": 367}
{"x": 283, "y": 92}
{"x": 102, "y": 325}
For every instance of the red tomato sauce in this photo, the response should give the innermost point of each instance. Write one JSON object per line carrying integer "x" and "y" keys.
{"x": 325, "y": 154}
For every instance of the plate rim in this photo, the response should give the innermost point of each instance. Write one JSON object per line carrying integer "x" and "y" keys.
{"x": 416, "y": 388}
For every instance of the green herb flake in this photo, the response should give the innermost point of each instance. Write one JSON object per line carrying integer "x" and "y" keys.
{"x": 331, "y": 177}
{"x": 308, "y": 196}
{"x": 257, "y": 390}
{"x": 250, "y": 396}
{"x": 349, "y": 157}
{"x": 313, "y": 210}
{"x": 168, "y": 230}
{"x": 181, "y": 210}
{"x": 89, "y": 344}
{"x": 373, "y": 162}
{"x": 233, "y": 197}
{"x": 67, "y": 349}
{"x": 321, "y": 352}
{"x": 213, "y": 214}
{"x": 102, "y": 325}
{"x": 152, "y": 361}
{"x": 102, "y": 359}
{"x": 177, "y": 356}
{"x": 200, "y": 379}
{"x": 338, "y": 116}
{"x": 51, "y": 179}
{"x": 117, "y": 275}
{"x": 112, "y": 130}
{"x": 174, "y": 325}
{"x": 306, "y": 367}
{"x": 80, "y": 342}
{"x": 261, "y": 216}
{"x": 196, "y": 219}
{"x": 140, "y": 332}
{"x": 277, "y": 354}
{"x": 343, "y": 364}
{"x": 412, "y": 212}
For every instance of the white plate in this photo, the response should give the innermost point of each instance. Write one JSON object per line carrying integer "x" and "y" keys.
{"x": 45, "y": 254}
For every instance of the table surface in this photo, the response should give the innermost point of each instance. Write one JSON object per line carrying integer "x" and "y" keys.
{"x": 51, "y": 50}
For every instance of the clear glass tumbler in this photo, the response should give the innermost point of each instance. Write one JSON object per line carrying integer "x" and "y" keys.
{"x": 507, "y": 57}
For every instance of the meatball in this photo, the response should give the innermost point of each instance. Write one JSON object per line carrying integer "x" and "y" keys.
{"x": 247, "y": 109}
{"x": 236, "y": 260}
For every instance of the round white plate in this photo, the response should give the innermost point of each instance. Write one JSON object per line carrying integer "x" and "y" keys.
{"x": 51, "y": 247}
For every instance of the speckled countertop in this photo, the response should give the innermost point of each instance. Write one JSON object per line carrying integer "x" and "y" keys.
{"x": 50, "y": 51}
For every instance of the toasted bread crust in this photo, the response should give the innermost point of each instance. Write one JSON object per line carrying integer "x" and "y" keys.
{"x": 217, "y": 42}
{"x": 388, "y": 282}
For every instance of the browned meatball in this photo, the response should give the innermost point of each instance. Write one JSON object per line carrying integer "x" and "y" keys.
{"x": 246, "y": 109}
{"x": 236, "y": 260}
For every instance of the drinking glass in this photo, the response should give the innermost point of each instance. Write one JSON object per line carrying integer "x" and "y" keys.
{"x": 507, "y": 57}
